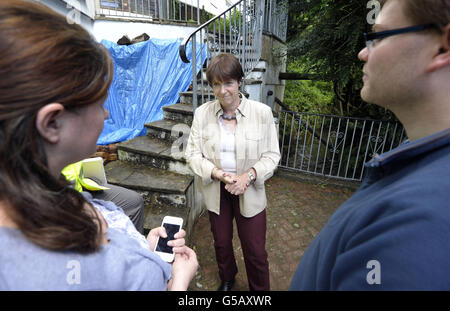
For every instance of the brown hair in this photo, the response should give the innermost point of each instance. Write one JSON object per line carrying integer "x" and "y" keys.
{"x": 427, "y": 11}
{"x": 224, "y": 67}
{"x": 44, "y": 59}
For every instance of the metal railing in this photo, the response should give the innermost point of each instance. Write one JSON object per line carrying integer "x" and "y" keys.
{"x": 161, "y": 10}
{"x": 276, "y": 18}
{"x": 334, "y": 146}
{"x": 237, "y": 30}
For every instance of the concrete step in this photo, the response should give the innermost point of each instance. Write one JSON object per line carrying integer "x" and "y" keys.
{"x": 186, "y": 97}
{"x": 216, "y": 42}
{"x": 183, "y": 113}
{"x": 155, "y": 153}
{"x": 168, "y": 130}
{"x": 165, "y": 193}
{"x": 232, "y": 49}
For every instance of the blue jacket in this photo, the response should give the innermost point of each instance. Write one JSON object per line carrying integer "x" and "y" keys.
{"x": 394, "y": 232}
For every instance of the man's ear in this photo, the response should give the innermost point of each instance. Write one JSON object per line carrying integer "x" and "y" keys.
{"x": 48, "y": 122}
{"x": 442, "y": 59}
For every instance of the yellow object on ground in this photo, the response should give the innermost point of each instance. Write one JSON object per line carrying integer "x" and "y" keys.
{"x": 74, "y": 172}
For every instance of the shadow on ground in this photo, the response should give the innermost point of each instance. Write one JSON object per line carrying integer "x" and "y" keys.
{"x": 296, "y": 212}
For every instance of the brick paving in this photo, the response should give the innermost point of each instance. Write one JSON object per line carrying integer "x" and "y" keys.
{"x": 296, "y": 213}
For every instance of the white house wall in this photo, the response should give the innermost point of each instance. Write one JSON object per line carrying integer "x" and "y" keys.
{"x": 76, "y": 11}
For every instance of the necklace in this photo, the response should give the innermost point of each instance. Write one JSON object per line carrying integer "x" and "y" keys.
{"x": 232, "y": 117}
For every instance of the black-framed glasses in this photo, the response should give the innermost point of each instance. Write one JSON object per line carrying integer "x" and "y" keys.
{"x": 371, "y": 37}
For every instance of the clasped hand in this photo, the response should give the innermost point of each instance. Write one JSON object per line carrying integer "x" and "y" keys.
{"x": 234, "y": 184}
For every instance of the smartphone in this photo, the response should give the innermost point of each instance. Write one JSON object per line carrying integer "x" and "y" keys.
{"x": 172, "y": 226}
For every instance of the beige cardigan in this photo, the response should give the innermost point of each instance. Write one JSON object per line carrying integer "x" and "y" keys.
{"x": 256, "y": 146}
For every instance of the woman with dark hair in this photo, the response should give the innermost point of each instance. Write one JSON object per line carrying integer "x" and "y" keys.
{"x": 54, "y": 80}
{"x": 233, "y": 148}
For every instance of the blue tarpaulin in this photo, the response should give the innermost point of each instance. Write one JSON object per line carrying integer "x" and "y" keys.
{"x": 147, "y": 76}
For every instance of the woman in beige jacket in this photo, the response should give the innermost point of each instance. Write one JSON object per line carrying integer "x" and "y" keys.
{"x": 233, "y": 148}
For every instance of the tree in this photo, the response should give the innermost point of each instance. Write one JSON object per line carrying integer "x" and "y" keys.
{"x": 326, "y": 36}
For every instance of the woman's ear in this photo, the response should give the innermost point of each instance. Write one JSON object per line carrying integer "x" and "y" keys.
{"x": 442, "y": 59}
{"x": 48, "y": 122}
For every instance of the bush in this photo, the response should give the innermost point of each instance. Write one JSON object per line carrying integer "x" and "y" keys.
{"x": 306, "y": 95}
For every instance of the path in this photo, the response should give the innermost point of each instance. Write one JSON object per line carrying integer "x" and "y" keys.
{"x": 296, "y": 212}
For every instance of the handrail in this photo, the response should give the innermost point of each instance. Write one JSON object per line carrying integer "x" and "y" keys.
{"x": 239, "y": 31}
{"x": 182, "y": 48}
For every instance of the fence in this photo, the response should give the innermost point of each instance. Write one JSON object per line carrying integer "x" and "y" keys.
{"x": 169, "y": 10}
{"x": 334, "y": 146}
{"x": 276, "y": 18}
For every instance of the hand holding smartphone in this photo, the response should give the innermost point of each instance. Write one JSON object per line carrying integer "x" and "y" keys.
{"x": 172, "y": 226}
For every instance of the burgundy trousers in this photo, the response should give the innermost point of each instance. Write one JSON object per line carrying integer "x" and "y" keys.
{"x": 252, "y": 233}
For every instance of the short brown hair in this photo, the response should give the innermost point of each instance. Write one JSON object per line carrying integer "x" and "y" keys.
{"x": 224, "y": 67}
{"x": 427, "y": 11}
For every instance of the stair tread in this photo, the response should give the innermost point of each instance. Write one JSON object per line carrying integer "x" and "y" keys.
{"x": 163, "y": 124}
{"x": 143, "y": 177}
{"x": 151, "y": 146}
{"x": 199, "y": 93}
{"x": 180, "y": 108}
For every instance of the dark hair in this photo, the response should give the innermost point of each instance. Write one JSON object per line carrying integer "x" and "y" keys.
{"x": 427, "y": 11}
{"x": 44, "y": 59}
{"x": 224, "y": 67}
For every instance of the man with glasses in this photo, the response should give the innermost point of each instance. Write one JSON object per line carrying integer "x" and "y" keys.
{"x": 394, "y": 232}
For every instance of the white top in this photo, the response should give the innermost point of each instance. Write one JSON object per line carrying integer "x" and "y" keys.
{"x": 227, "y": 149}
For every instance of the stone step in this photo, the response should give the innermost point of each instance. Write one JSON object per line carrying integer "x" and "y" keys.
{"x": 221, "y": 41}
{"x": 164, "y": 193}
{"x": 233, "y": 49}
{"x": 186, "y": 97}
{"x": 155, "y": 153}
{"x": 168, "y": 130}
{"x": 183, "y": 113}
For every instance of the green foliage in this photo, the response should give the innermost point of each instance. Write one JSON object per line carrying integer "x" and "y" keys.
{"x": 308, "y": 96}
{"x": 326, "y": 37}
{"x": 183, "y": 11}
{"x": 230, "y": 20}
{"x": 205, "y": 16}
